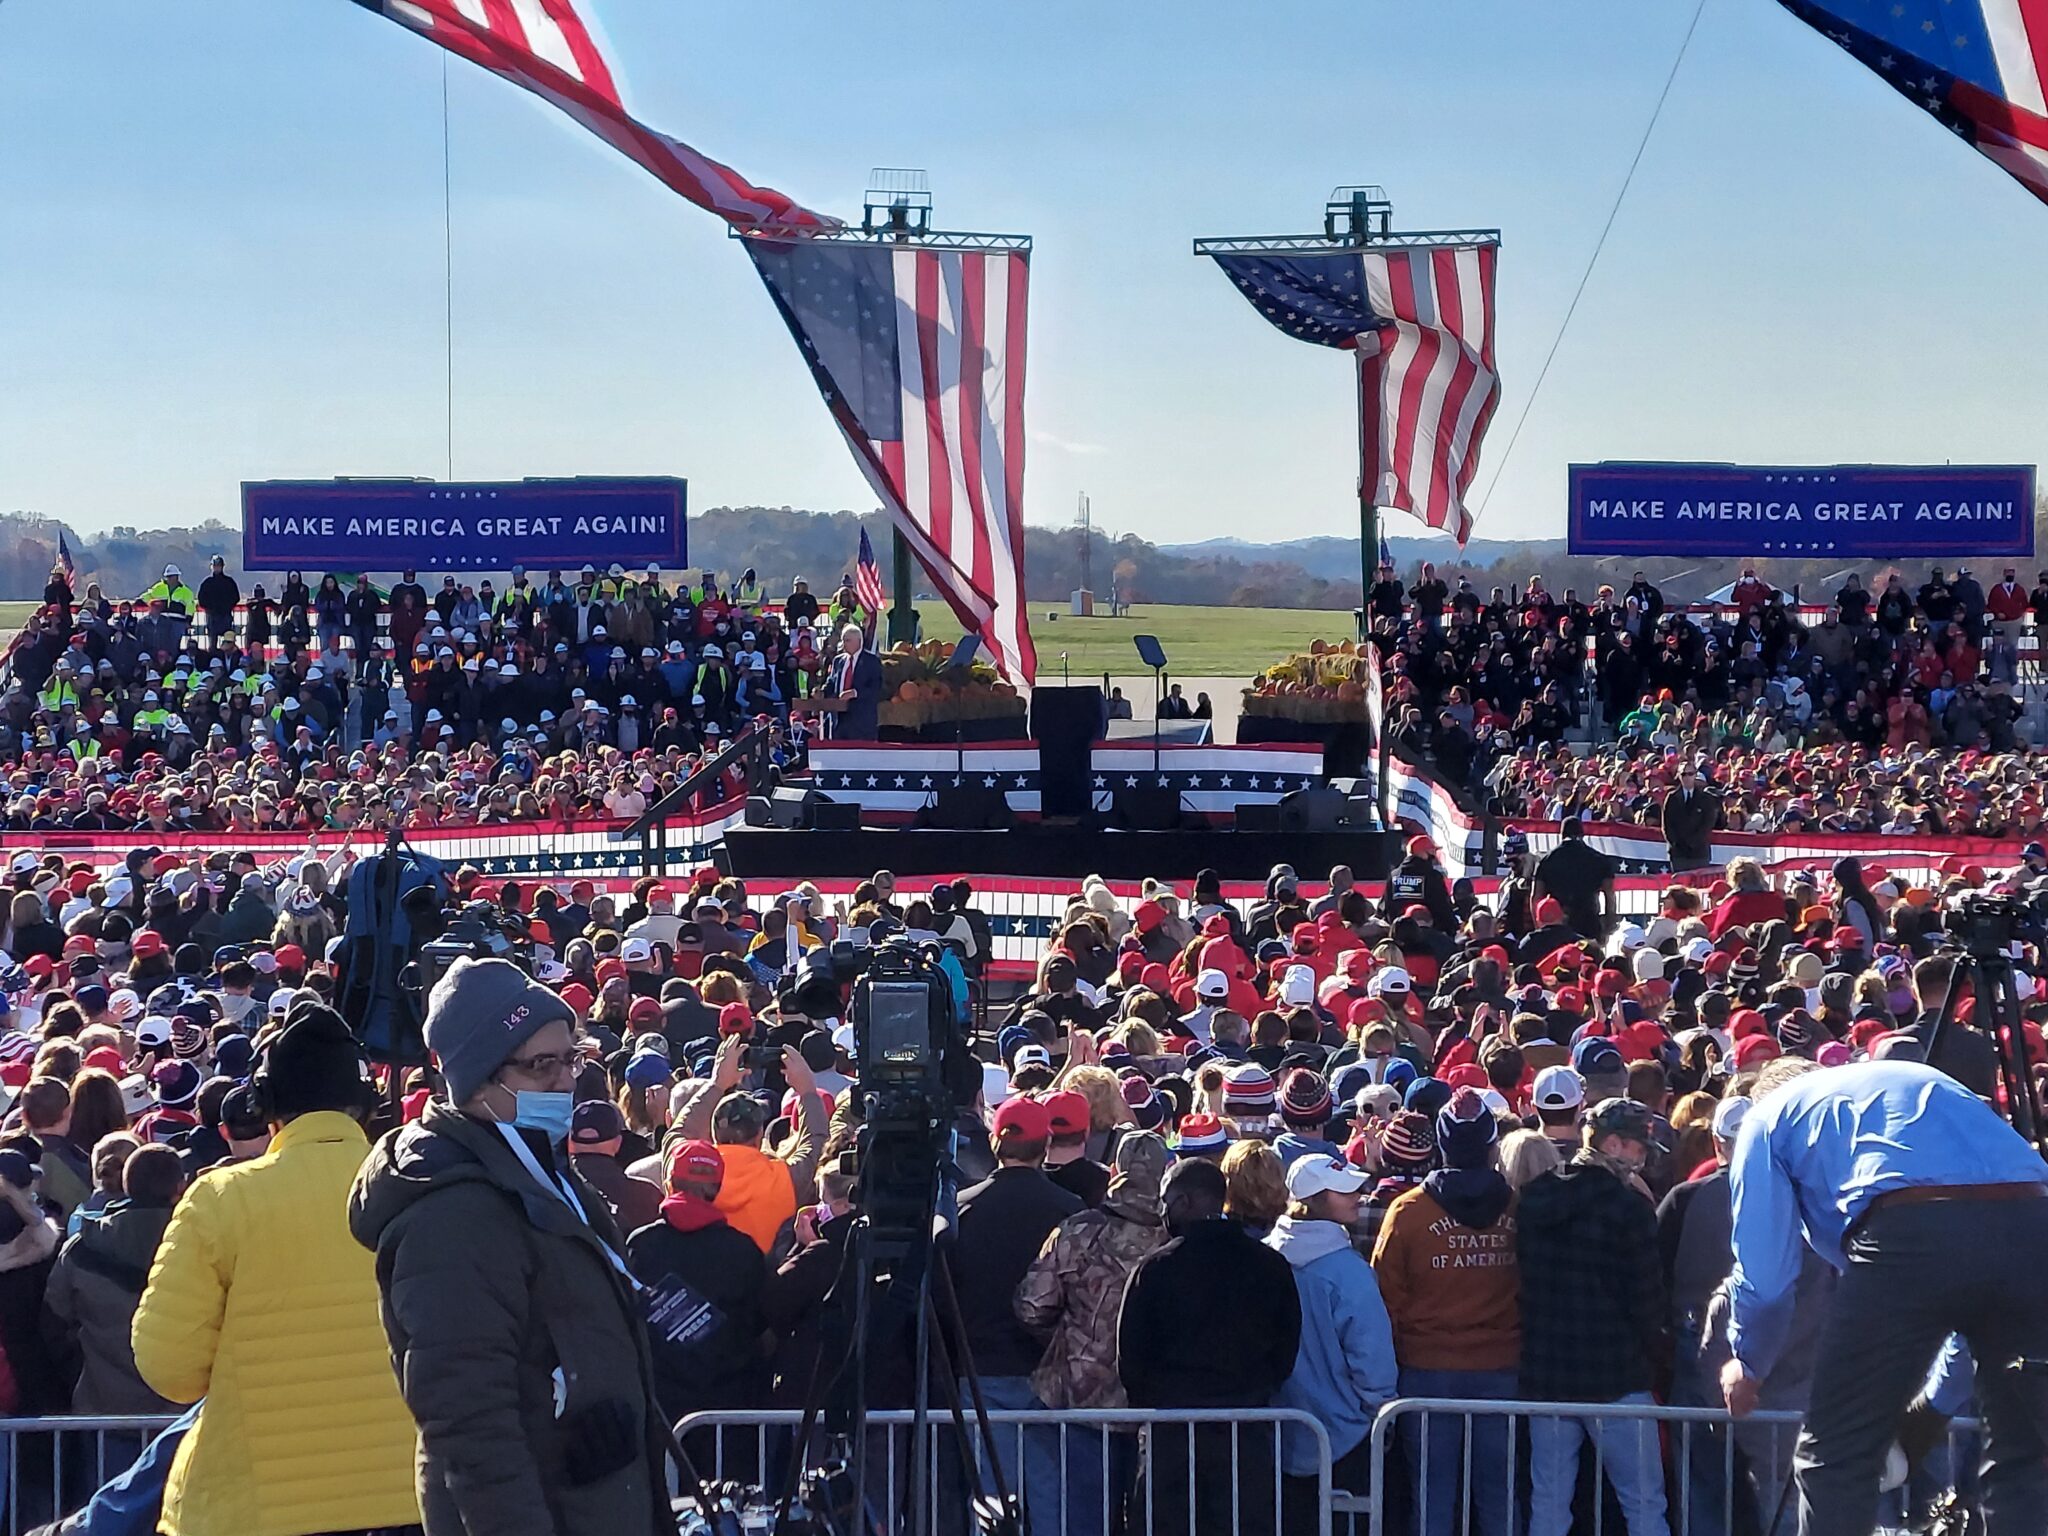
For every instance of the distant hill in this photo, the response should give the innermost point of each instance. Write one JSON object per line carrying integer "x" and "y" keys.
{"x": 781, "y": 543}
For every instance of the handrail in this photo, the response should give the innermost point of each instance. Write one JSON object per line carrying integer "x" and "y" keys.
{"x": 747, "y": 741}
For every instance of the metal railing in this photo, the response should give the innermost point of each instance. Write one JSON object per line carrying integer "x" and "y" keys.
{"x": 52, "y": 1466}
{"x": 1080, "y": 1472}
{"x": 1477, "y": 1468}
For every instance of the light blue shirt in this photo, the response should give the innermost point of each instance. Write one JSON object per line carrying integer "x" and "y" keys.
{"x": 1815, "y": 1153}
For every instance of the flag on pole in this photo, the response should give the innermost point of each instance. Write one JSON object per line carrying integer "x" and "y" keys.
{"x": 1975, "y": 65}
{"x": 1386, "y": 551}
{"x": 919, "y": 354}
{"x": 1419, "y": 320}
{"x": 544, "y": 46}
{"x": 64, "y": 555}
{"x": 867, "y": 584}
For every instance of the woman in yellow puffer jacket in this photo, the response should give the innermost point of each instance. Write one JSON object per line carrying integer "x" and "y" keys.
{"x": 260, "y": 1302}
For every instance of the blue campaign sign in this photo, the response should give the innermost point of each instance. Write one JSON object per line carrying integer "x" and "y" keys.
{"x": 1875, "y": 511}
{"x": 429, "y": 525}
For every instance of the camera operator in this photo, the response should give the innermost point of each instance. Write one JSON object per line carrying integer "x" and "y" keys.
{"x": 761, "y": 1190}
{"x": 1935, "y": 1212}
{"x": 1966, "y": 1054}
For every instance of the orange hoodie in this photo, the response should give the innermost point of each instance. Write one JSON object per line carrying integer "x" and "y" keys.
{"x": 758, "y": 1195}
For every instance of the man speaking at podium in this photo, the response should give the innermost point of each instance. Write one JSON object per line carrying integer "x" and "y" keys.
{"x": 856, "y": 678}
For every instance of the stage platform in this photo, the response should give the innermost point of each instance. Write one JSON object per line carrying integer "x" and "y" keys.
{"x": 1050, "y": 852}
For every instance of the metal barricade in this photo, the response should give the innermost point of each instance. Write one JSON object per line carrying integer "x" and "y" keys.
{"x": 1081, "y": 1472}
{"x": 1492, "y": 1468}
{"x": 54, "y": 1465}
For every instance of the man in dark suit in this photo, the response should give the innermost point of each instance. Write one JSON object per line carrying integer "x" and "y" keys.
{"x": 856, "y": 676}
{"x": 1691, "y": 812}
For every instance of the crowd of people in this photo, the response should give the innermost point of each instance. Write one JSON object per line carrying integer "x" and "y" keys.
{"x": 1313, "y": 1152}
{"x": 1472, "y": 679}
{"x": 557, "y": 699}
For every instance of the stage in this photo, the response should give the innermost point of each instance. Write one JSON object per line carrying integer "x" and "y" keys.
{"x": 1050, "y": 852}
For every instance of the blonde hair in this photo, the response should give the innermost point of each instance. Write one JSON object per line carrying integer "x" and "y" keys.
{"x": 720, "y": 988}
{"x": 1138, "y": 1037}
{"x": 1745, "y": 874}
{"x": 1104, "y": 1095}
{"x": 1526, "y": 1154}
{"x": 1255, "y": 1183}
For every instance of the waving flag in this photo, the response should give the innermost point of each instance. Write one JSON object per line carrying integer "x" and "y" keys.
{"x": 64, "y": 554}
{"x": 1419, "y": 319}
{"x": 544, "y": 46}
{"x": 919, "y": 353}
{"x": 867, "y": 584}
{"x": 1976, "y": 65}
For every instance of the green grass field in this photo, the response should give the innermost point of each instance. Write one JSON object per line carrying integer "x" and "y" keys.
{"x": 1199, "y": 642}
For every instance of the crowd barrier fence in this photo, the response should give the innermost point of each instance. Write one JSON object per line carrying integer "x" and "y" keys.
{"x": 1714, "y": 1483}
{"x": 1190, "y": 1472}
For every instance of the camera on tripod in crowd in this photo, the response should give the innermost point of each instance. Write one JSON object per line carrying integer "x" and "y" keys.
{"x": 477, "y": 930}
{"x": 1987, "y": 926}
{"x": 910, "y": 1049}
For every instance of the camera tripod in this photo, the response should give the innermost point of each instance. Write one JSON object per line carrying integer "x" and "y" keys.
{"x": 837, "y": 1399}
{"x": 1991, "y": 979}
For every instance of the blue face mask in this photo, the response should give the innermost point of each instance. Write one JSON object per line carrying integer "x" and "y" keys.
{"x": 547, "y": 1113}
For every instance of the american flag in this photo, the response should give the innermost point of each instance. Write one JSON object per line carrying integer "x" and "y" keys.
{"x": 1976, "y": 65}
{"x": 64, "y": 554}
{"x": 919, "y": 353}
{"x": 867, "y": 584}
{"x": 1420, "y": 322}
{"x": 544, "y": 46}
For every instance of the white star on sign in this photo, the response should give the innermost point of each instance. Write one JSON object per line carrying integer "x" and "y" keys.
{"x": 989, "y": 782}
{"x": 873, "y": 781}
{"x": 899, "y": 781}
{"x": 1131, "y": 781}
{"x": 926, "y": 783}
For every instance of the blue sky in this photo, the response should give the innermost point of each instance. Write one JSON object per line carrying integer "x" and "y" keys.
{"x": 221, "y": 246}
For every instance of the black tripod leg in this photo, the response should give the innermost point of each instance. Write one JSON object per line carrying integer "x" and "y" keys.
{"x": 967, "y": 1372}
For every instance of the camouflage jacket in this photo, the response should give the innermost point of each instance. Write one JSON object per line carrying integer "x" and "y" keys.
{"x": 1071, "y": 1296}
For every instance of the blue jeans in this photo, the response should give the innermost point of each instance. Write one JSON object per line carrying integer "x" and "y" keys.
{"x": 1438, "y": 1505}
{"x": 1629, "y": 1454}
{"x": 1028, "y": 1454}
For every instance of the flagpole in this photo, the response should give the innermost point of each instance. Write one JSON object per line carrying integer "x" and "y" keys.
{"x": 903, "y": 612}
{"x": 1368, "y": 513}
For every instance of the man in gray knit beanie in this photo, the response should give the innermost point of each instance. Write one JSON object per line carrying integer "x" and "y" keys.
{"x": 479, "y": 1014}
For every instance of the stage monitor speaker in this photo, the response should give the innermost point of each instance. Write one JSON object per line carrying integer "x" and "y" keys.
{"x": 1146, "y": 809}
{"x": 830, "y": 815}
{"x": 760, "y": 811}
{"x": 1066, "y": 723}
{"x": 968, "y": 808}
{"x": 792, "y": 806}
{"x": 1318, "y": 808}
{"x": 1257, "y": 816}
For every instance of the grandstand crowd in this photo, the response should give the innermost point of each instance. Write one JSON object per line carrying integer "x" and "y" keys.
{"x": 1475, "y": 679}
{"x": 1361, "y": 1142}
{"x": 563, "y": 699}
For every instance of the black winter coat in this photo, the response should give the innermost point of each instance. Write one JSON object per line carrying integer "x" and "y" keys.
{"x": 1004, "y": 1220}
{"x": 1592, "y": 1292}
{"x": 703, "y": 1360}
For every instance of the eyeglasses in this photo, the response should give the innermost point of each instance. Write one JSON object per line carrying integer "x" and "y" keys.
{"x": 541, "y": 1064}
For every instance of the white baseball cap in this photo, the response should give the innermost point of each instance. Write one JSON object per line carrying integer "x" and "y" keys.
{"x": 1391, "y": 978}
{"x": 1728, "y": 1117}
{"x": 1298, "y": 986}
{"x": 1317, "y": 1175}
{"x": 1558, "y": 1087}
{"x": 1212, "y": 983}
{"x": 634, "y": 951}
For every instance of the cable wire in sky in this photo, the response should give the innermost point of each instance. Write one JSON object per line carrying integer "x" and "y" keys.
{"x": 1592, "y": 261}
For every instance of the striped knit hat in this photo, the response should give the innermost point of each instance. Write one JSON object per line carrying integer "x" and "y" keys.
{"x": 1305, "y": 1098}
{"x": 1409, "y": 1145}
{"x": 1200, "y": 1135}
{"x": 1248, "y": 1092}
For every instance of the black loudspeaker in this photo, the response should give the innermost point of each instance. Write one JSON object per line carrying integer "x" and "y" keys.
{"x": 760, "y": 811}
{"x": 1066, "y": 723}
{"x": 830, "y": 815}
{"x": 1146, "y": 809}
{"x": 968, "y": 808}
{"x": 1318, "y": 808}
{"x": 1254, "y": 817}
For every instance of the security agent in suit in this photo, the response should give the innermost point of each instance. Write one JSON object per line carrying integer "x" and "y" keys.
{"x": 856, "y": 675}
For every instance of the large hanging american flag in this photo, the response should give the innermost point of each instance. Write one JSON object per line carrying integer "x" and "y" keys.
{"x": 1420, "y": 322}
{"x": 919, "y": 353}
{"x": 545, "y": 47}
{"x": 1977, "y": 65}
